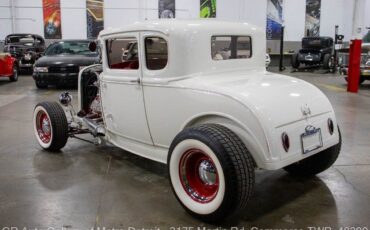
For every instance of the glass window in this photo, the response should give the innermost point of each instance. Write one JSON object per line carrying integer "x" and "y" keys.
{"x": 156, "y": 53}
{"x": 231, "y": 47}
{"x": 122, "y": 53}
{"x": 70, "y": 48}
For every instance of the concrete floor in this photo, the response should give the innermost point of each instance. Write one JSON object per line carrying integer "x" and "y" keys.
{"x": 87, "y": 186}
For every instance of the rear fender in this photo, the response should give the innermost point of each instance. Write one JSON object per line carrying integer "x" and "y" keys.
{"x": 238, "y": 128}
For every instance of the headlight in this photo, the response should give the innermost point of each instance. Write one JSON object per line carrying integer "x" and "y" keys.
{"x": 40, "y": 69}
{"x": 27, "y": 57}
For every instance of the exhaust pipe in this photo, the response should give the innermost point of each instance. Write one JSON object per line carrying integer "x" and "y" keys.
{"x": 96, "y": 129}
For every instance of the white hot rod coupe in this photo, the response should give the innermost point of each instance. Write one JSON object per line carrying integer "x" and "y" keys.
{"x": 196, "y": 96}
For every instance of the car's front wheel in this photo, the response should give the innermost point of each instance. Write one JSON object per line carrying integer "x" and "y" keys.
{"x": 211, "y": 172}
{"x": 14, "y": 77}
{"x": 317, "y": 163}
{"x": 41, "y": 85}
{"x": 327, "y": 61}
{"x": 50, "y": 126}
{"x": 295, "y": 61}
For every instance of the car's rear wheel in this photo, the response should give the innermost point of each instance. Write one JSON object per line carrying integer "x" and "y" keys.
{"x": 211, "y": 172}
{"x": 317, "y": 163}
{"x": 295, "y": 61}
{"x": 50, "y": 126}
{"x": 41, "y": 85}
{"x": 14, "y": 77}
{"x": 327, "y": 61}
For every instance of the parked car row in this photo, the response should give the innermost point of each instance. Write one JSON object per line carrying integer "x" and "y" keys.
{"x": 61, "y": 62}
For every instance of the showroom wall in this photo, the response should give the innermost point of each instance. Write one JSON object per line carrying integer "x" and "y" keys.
{"x": 29, "y": 15}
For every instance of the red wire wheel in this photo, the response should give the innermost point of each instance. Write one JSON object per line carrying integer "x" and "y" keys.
{"x": 198, "y": 176}
{"x": 43, "y": 127}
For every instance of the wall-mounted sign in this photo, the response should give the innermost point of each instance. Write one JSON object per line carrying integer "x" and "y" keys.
{"x": 208, "y": 8}
{"x": 313, "y": 12}
{"x": 52, "y": 19}
{"x": 166, "y": 8}
{"x": 274, "y": 19}
{"x": 95, "y": 17}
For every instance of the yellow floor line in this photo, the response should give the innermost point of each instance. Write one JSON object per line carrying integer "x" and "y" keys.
{"x": 49, "y": 92}
{"x": 333, "y": 87}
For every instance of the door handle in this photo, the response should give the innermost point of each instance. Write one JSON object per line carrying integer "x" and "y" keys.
{"x": 137, "y": 80}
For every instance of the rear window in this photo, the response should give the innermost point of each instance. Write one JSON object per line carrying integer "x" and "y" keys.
{"x": 231, "y": 47}
{"x": 156, "y": 53}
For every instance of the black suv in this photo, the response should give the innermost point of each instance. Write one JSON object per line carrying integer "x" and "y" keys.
{"x": 315, "y": 51}
{"x": 26, "y": 48}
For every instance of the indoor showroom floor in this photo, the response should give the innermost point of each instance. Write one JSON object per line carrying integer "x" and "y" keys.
{"x": 87, "y": 186}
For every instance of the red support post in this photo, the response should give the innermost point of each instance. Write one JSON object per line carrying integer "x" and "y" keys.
{"x": 354, "y": 65}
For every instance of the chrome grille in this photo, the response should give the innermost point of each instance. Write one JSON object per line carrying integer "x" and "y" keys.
{"x": 64, "y": 69}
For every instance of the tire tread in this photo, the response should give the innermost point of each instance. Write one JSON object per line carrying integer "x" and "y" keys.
{"x": 236, "y": 159}
{"x": 59, "y": 125}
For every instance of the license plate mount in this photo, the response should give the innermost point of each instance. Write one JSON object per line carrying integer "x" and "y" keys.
{"x": 311, "y": 139}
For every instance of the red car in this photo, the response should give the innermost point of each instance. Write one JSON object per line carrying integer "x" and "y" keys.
{"x": 8, "y": 67}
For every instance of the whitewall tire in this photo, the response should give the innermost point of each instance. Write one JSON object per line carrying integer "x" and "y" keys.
{"x": 191, "y": 195}
{"x": 50, "y": 126}
{"x": 211, "y": 172}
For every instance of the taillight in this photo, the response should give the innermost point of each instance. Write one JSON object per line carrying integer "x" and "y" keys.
{"x": 285, "y": 141}
{"x": 330, "y": 126}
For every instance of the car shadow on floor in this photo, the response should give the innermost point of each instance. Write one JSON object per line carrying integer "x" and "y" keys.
{"x": 284, "y": 201}
{"x": 274, "y": 191}
{"x": 5, "y": 81}
{"x": 279, "y": 199}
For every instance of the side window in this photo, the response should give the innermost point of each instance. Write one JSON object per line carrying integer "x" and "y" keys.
{"x": 156, "y": 53}
{"x": 122, "y": 53}
{"x": 231, "y": 47}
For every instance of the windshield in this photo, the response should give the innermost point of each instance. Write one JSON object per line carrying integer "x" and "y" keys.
{"x": 27, "y": 40}
{"x": 70, "y": 48}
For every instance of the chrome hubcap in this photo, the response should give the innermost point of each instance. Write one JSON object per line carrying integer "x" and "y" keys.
{"x": 207, "y": 172}
{"x": 45, "y": 126}
{"x": 198, "y": 175}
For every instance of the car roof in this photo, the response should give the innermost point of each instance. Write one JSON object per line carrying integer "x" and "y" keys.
{"x": 72, "y": 40}
{"x": 25, "y": 34}
{"x": 322, "y": 37}
{"x": 195, "y": 35}
{"x": 169, "y": 26}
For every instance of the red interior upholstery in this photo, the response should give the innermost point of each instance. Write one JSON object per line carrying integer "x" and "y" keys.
{"x": 153, "y": 64}
{"x": 133, "y": 64}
